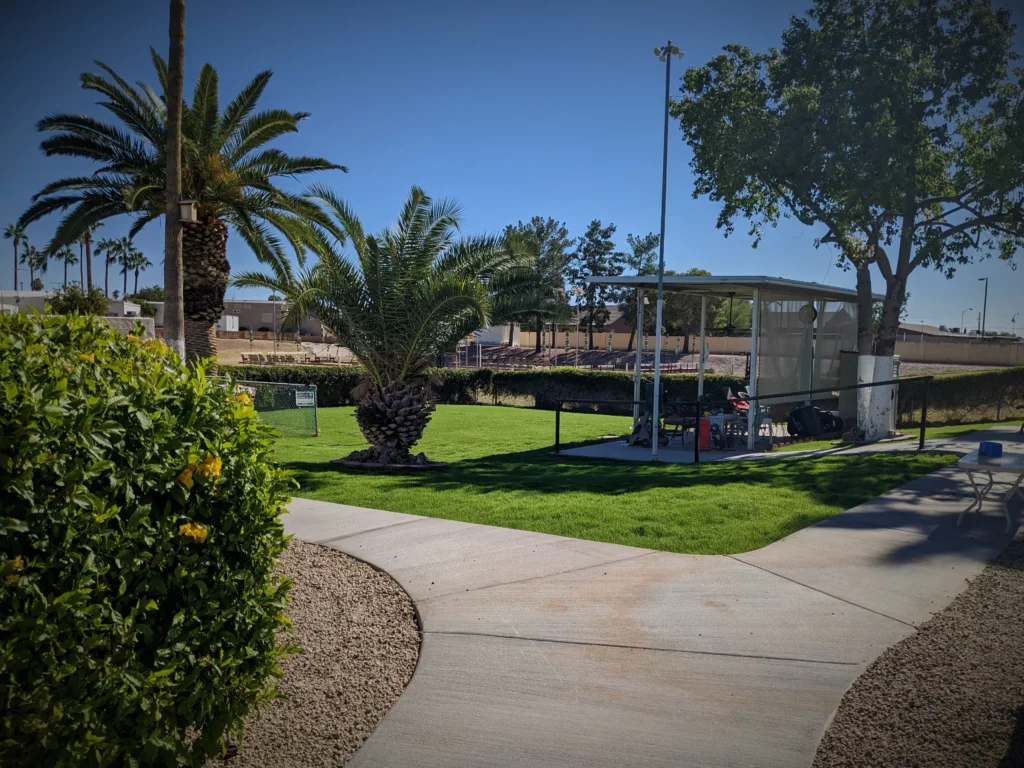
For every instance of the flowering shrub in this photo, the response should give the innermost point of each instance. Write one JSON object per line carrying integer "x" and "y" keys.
{"x": 139, "y": 529}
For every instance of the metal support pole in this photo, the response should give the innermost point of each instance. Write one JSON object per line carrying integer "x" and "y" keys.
{"x": 558, "y": 427}
{"x": 755, "y": 332}
{"x": 700, "y": 350}
{"x": 924, "y": 415}
{"x": 656, "y": 416}
{"x": 636, "y": 356}
{"x": 696, "y": 434}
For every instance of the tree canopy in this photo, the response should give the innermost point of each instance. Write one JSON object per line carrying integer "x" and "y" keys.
{"x": 893, "y": 126}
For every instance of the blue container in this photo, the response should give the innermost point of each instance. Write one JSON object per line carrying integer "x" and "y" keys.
{"x": 990, "y": 449}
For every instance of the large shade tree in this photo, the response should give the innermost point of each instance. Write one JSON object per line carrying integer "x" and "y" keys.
{"x": 545, "y": 244}
{"x": 594, "y": 254}
{"x": 399, "y": 301}
{"x": 227, "y": 169}
{"x": 892, "y": 126}
{"x": 641, "y": 259}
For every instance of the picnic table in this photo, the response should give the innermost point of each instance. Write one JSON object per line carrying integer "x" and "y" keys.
{"x": 1011, "y": 464}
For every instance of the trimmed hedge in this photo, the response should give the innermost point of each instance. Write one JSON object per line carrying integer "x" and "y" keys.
{"x": 954, "y": 399}
{"x": 139, "y": 532}
{"x": 965, "y": 398}
{"x": 460, "y": 386}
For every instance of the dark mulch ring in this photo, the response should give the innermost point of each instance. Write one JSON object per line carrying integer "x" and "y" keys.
{"x": 951, "y": 694}
{"x": 360, "y": 642}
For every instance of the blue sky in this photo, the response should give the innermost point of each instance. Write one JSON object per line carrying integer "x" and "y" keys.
{"x": 515, "y": 109}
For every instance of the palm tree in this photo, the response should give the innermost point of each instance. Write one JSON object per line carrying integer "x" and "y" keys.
{"x": 31, "y": 257}
{"x": 65, "y": 254}
{"x": 16, "y": 234}
{"x": 407, "y": 296}
{"x": 226, "y": 168}
{"x": 86, "y": 240}
{"x": 139, "y": 262}
{"x": 108, "y": 248}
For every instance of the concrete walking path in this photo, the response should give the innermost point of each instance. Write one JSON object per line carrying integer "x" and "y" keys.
{"x": 540, "y": 650}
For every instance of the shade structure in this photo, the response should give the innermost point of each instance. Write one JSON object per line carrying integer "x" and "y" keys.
{"x": 798, "y": 330}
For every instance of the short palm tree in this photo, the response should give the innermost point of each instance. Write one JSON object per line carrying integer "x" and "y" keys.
{"x": 16, "y": 234}
{"x": 404, "y": 298}
{"x": 226, "y": 168}
{"x": 67, "y": 256}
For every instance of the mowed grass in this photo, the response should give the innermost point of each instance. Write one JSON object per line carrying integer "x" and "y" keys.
{"x": 502, "y": 473}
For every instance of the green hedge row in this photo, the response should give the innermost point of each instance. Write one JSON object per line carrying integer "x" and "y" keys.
{"x": 959, "y": 398}
{"x": 965, "y": 398}
{"x": 459, "y": 386}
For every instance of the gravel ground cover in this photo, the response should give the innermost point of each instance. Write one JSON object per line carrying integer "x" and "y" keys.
{"x": 950, "y": 695}
{"x": 360, "y": 642}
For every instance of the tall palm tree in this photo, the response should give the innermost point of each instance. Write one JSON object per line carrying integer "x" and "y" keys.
{"x": 16, "y": 234}
{"x": 36, "y": 260}
{"x": 226, "y": 168}
{"x": 65, "y": 254}
{"x": 139, "y": 262}
{"x": 86, "y": 241}
{"x": 107, "y": 248}
{"x": 406, "y": 296}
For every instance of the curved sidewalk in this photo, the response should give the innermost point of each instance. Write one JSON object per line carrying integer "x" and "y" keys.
{"x": 541, "y": 651}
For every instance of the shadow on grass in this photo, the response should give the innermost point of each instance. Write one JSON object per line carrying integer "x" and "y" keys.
{"x": 842, "y": 480}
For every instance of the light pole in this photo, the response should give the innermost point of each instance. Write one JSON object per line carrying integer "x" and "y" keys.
{"x": 664, "y": 54}
{"x": 984, "y": 307}
{"x": 962, "y": 329}
{"x": 1013, "y": 325}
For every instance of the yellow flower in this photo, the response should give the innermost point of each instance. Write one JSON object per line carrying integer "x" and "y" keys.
{"x": 19, "y": 562}
{"x": 194, "y": 531}
{"x": 12, "y": 578}
{"x": 210, "y": 466}
{"x": 185, "y": 478}
{"x": 88, "y": 357}
{"x": 244, "y": 399}
{"x": 133, "y": 337}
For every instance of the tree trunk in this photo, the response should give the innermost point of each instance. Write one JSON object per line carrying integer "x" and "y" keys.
{"x": 16, "y": 265}
{"x": 106, "y": 277}
{"x": 174, "y": 313}
{"x": 895, "y": 295}
{"x": 81, "y": 265}
{"x": 540, "y": 330}
{"x": 511, "y": 328}
{"x": 865, "y": 309}
{"x": 632, "y": 335}
{"x": 205, "y": 279}
{"x": 31, "y": 276}
{"x": 88, "y": 258}
{"x": 392, "y": 420}
{"x": 124, "y": 288}
{"x": 136, "y": 281}
{"x": 65, "y": 274}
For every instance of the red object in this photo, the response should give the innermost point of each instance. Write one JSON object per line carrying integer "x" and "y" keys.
{"x": 705, "y": 434}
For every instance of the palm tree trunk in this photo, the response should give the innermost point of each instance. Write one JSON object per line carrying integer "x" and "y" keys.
{"x": 540, "y": 330}
{"x": 88, "y": 258}
{"x": 174, "y": 272}
{"x": 81, "y": 266}
{"x": 124, "y": 291}
{"x": 136, "y": 281}
{"x": 392, "y": 420}
{"x": 16, "y": 265}
{"x": 106, "y": 277}
{"x": 65, "y": 273}
{"x": 205, "y": 279}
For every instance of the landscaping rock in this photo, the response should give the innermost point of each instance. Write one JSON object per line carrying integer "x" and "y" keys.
{"x": 360, "y": 642}
{"x": 950, "y": 695}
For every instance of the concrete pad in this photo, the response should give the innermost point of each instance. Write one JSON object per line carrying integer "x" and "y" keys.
{"x": 432, "y": 557}
{"x": 320, "y": 521}
{"x": 481, "y": 701}
{"x": 897, "y": 573}
{"x": 618, "y": 450}
{"x": 696, "y": 603}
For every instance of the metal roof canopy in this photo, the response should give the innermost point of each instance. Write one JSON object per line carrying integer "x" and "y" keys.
{"x": 742, "y": 287}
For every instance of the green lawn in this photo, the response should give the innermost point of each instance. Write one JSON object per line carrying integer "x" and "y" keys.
{"x": 502, "y": 473}
{"x": 952, "y": 430}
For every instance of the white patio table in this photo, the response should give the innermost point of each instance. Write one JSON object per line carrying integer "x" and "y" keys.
{"x": 1011, "y": 464}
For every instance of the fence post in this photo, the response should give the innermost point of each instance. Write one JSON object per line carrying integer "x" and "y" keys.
{"x": 558, "y": 426}
{"x": 924, "y": 414}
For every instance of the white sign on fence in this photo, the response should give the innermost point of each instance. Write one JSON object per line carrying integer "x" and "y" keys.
{"x": 305, "y": 399}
